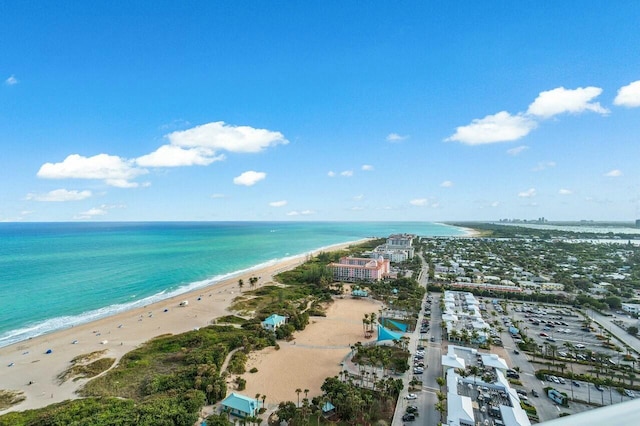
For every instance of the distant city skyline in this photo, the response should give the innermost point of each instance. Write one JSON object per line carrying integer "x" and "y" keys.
{"x": 320, "y": 111}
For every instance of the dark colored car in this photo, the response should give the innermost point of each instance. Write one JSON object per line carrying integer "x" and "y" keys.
{"x": 408, "y": 417}
{"x": 535, "y": 393}
{"x": 412, "y": 409}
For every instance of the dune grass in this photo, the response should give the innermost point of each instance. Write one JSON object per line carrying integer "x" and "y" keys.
{"x": 9, "y": 398}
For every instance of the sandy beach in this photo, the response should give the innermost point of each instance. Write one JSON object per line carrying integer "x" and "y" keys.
{"x": 315, "y": 354}
{"x": 28, "y": 368}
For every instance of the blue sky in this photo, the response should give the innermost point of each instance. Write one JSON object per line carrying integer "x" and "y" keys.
{"x": 332, "y": 110}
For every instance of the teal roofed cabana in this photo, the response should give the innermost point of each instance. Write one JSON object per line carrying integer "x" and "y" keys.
{"x": 273, "y": 321}
{"x": 240, "y": 405}
{"x": 359, "y": 293}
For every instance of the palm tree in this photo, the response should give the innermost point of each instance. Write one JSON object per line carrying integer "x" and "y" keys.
{"x": 441, "y": 408}
{"x": 454, "y": 335}
{"x": 372, "y": 320}
{"x": 609, "y": 382}
{"x": 553, "y": 349}
{"x": 264, "y": 398}
{"x": 240, "y": 284}
{"x": 474, "y": 370}
{"x": 298, "y": 392}
{"x": 631, "y": 377}
{"x": 258, "y": 400}
{"x": 441, "y": 382}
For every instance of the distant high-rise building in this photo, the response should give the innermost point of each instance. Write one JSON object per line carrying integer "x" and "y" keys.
{"x": 637, "y": 223}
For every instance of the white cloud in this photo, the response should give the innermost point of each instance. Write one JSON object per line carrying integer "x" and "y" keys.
{"x": 249, "y": 178}
{"x": 12, "y": 80}
{"x": 564, "y": 191}
{"x": 560, "y": 100}
{"x": 419, "y": 202}
{"x": 446, "y": 184}
{"x": 113, "y": 170}
{"x": 356, "y": 208}
{"x": 367, "y": 167}
{"x": 500, "y": 127}
{"x": 629, "y": 95}
{"x": 358, "y": 197}
{"x": 531, "y": 192}
{"x": 91, "y": 213}
{"x": 222, "y": 136}
{"x": 544, "y": 165}
{"x": 517, "y": 150}
{"x": 301, "y": 213}
{"x": 60, "y": 195}
{"x": 217, "y": 196}
{"x": 175, "y": 156}
{"x": 394, "y": 137}
{"x": 331, "y": 173}
{"x": 280, "y": 203}
{"x": 347, "y": 173}
{"x": 495, "y": 204}
{"x": 613, "y": 173}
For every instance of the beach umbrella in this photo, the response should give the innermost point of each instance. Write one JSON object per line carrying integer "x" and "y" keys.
{"x": 49, "y": 351}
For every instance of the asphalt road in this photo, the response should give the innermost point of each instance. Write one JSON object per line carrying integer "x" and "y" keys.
{"x": 427, "y": 398}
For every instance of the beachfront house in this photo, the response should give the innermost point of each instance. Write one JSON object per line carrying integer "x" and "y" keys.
{"x": 240, "y": 405}
{"x": 273, "y": 321}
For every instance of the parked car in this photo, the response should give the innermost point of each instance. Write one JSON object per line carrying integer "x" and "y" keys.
{"x": 408, "y": 417}
{"x": 544, "y": 335}
{"x": 412, "y": 409}
{"x": 629, "y": 393}
{"x": 575, "y": 383}
{"x": 535, "y": 393}
{"x": 411, "y": 396}
{"x": 433, "y": 339}
{"x": 600, "y": 388}
{"x": 517, "y": 352}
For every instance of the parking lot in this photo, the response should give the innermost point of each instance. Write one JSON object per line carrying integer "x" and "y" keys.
{"x": 566, "y": 338}
{"x": 562, "y": 332}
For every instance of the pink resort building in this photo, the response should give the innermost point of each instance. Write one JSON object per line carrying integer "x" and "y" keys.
{"x": 354, "y": 269}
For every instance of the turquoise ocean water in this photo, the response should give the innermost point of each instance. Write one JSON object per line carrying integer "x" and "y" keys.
{"x": 54, "y": 275}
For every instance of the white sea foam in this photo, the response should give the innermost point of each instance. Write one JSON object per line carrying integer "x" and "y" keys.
{"x": 59, "y": 323}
